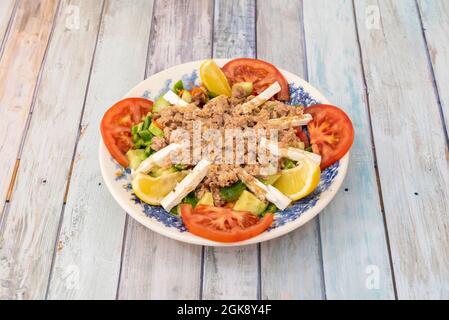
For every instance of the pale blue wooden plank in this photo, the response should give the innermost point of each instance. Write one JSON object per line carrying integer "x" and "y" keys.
{"x": 291, "y": 265}
{"x": 435, "y": 20}
{"x": 87, "y": 261}
{"x": 232, "y": 273}
{"x": 352, "y": 227}
{"x": 410, "y": 146}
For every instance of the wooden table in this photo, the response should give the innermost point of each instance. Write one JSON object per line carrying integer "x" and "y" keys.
{"x": 62, "y": 63}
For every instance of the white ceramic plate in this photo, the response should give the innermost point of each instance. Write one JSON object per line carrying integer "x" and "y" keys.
{"x": 157, "y": 219}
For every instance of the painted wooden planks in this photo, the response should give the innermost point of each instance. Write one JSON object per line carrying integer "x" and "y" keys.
{"x": 232, "y": 273}
{"x": 6, "y": 16}
{"x": 410, "y": 146}
{"x": 155, "y": 267}
{"x": 20, "y": 64}
{"x": 354, "y": 246}
{"x": 31, "y": 224}
{"x": 291, "y": 265}
{"x": 435, "y": 20}
{"x": 87, "y": 262}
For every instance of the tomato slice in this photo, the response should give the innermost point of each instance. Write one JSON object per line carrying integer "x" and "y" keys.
{"x": 223, "y": 224}
{"x": 331, "y": 132}
{"x": 261, "y": 73}
{"x": 116, "y": 126}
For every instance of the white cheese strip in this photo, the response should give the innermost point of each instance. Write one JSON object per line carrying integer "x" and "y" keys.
{"x": 262, "y": 97}
{"x": 157, "y": 159}
{"x": 187, "y": 185}
{"x": 174, "y": 99}
{"x": 290, "y": 153}
{"x": 298, "y": 154}
{"x": 287, "y": 122}
{"x": 268, "y": 192}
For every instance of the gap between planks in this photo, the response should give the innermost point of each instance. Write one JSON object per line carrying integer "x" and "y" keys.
{"x": 432, "y": 71}
{"x": 80, "y": 127}
{"x": 8, "y": 28}
{"x": 373, "y": 144}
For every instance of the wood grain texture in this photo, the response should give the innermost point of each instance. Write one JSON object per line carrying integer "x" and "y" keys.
{"x": 87, "y": 264}
{"x": 6, "y": 15}
{"x": 435, "y": 20}
{"x": 410, "y": 146}
{"x": 291, "y": 265}
{"x": 155, "y": 267}
{"x": 30, "y": 227}
{"x": 234, "y": 29}
{"x": 19, "y": 72}
{"x": 232, "y": 273}
{"x": 353, "y": 235}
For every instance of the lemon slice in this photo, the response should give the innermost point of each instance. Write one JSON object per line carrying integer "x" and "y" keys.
{"x": 214, "y": 79}
{"x": 299, "y": 181}
{"x": 153, "y": 189}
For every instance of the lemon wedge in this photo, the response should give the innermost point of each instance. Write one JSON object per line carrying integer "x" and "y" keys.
{"x": 214, "y": 79}
{"x": 153, "y": 189}
{"x": 299, "y": 181}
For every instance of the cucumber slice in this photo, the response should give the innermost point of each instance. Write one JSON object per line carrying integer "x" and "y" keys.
{"x": 146, "y": 135}
{"x": 207, "y": 199}
{"x": 249, "y": 202}
{"x": 178, "y": 87}
{"x": 160, "y": 104}
{"x": 186, "y": 96}
{"x": 271, "y": 178}
{"x": 157, "y": 172}
{"x": 146, "y": 123}
{"x": 135, "y": 157}
{"x": 246, "y": 86}
{"x": 155, "y": 130}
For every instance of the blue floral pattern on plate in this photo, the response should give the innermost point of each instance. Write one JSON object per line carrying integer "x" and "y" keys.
{"x": 299, "y": 97}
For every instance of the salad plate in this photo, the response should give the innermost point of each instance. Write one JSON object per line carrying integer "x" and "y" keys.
{"x": 118, "y": 179}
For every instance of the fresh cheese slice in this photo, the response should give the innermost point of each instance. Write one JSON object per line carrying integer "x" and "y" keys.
{"x": 157, "y": 159}
{"x": 290, "y": 153}
{"x": 187, "y": 185}
{"x": 288, "y": 122}
{"x": 263, "y": 97}
{"x": 174, "y": 99}
{"x": 263, "y": 191}
{"x": 298, "y": 154}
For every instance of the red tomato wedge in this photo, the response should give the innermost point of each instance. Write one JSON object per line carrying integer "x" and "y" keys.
{"x": 331, "y": 132}
{"x": 261, "y": 73}
{"x": 116, "y": 126}
{"x": 223, "y": 224}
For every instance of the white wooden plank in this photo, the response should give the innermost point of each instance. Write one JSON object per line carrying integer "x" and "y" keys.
{"x": 90, "y": 242}
{"x": 6, "y": 15}
{"x": 291, "y": 265}
{"x": 30, "y": 227}
{"x": 19, "y": 71}
{"x": 435, "y": 20}
{"x": 352, "y": 227}
{"x": 410, "y": 146}
{"x": 232, "y": 273}
{"x": 154, "y": 266}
